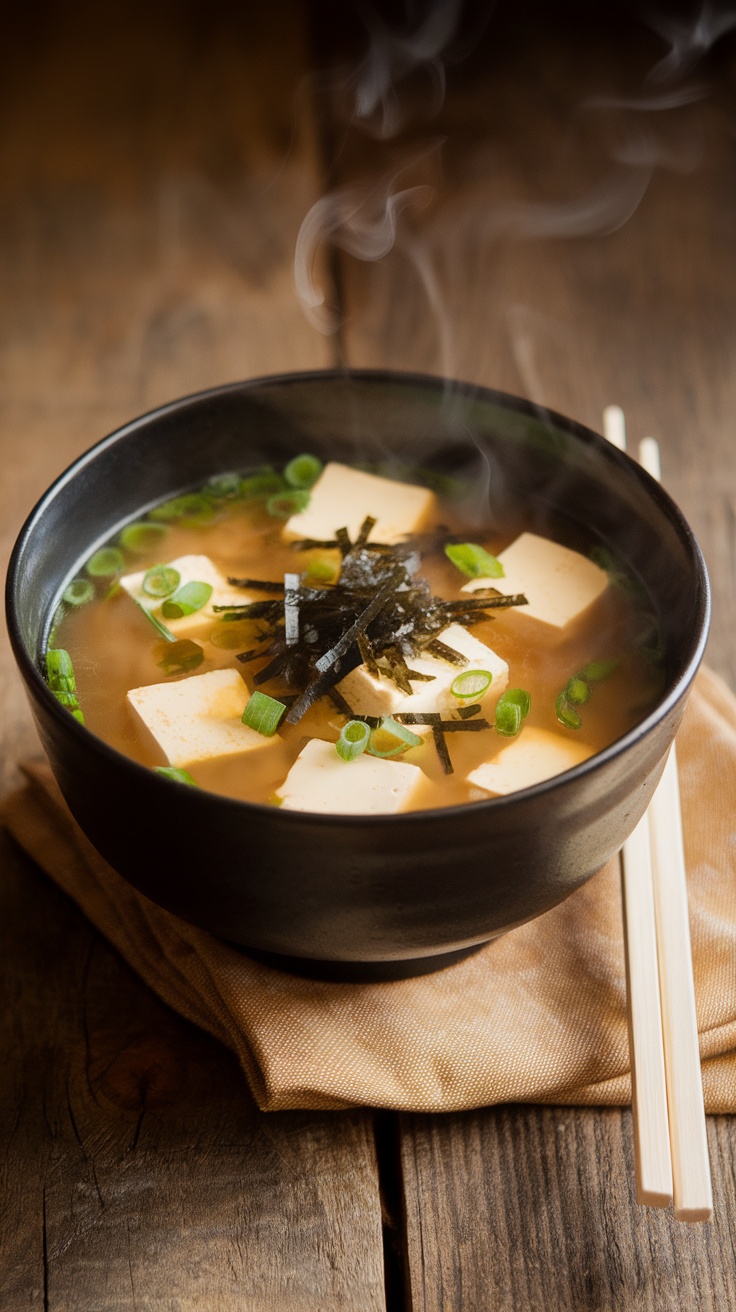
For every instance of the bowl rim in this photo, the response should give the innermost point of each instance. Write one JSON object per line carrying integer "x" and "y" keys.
{"x": 37, "y": 683}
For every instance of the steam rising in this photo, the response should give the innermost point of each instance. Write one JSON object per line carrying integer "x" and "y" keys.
{"x": 688, "y": 39}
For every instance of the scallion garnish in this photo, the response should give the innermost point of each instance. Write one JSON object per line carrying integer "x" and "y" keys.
{"x": 141, "y": 538}
{"x": 594, "y": 671}
{"x": 577, "y": 691}
{"x": 392, "y": 738}
{"x": 233, "y": 636}
{"x": 303, "y": 471}
{"x": 474, "y": 561}
{"x": 566, "y": 714}
{"x": 471, "y": 683}
{"x": 160, "y": 581}
{"x": 176, "y": 774}
{"x": 353, "y": 740}
{"x": 78, "y": 592}
{"x": 282, "y": 505}
{"x": 320, "y": 572}
{"x": 261, "y": 484}
{"x": 181, "y": 656}
{"x": 106, "y": 563}
{"x": 192, "y": 509}
{"x": 60, "y": 678}
{"x": 512, "y": 708}
{"x": 224, "y": 487}
{"x": 160, "y": 628}
{"x": 264, "y": 714}
{"x": 190, "y": 598}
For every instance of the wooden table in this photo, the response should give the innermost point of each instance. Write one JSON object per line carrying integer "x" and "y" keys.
{"x": 156, "y": 163}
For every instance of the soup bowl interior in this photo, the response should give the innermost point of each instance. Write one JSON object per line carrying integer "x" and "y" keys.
{"x": 363, "y": 896}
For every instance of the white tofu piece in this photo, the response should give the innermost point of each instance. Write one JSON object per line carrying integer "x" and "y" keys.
{"x": 536, "y": 754}
{"x": 320, "y": 781}
{"x": 343, "y": 497}
{"x": 370, "y": 696}
{"x": 198, "y": 719}
{"x": 559, "y": 584}
{"x": 191, "y": 569}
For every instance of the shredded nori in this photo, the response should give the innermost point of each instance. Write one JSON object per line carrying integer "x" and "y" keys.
{"x": 379, "y": 612}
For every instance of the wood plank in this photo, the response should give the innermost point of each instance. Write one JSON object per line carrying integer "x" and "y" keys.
{"x": 533, "y": 1208}
{"x": 155, "y": 164}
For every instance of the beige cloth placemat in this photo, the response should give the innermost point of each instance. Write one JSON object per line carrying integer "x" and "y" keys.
{"x": 538, "y": 1015}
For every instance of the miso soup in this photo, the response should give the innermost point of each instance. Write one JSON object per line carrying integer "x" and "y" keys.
{"x": 332, "y": 639}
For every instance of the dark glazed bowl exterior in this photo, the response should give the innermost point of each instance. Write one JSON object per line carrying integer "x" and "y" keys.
{"x": 353, "y": 896}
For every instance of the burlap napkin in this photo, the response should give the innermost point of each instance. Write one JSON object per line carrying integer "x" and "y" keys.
{"x": 539, "y": 1015}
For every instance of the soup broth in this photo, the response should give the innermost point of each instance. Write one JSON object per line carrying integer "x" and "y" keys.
{"x": 588, "y": 681}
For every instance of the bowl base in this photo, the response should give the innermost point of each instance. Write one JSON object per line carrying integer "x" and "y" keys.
{"x": 358, "y": 972}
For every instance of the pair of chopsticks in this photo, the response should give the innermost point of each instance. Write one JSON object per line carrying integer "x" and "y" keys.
{"x": 670, "y": 1139}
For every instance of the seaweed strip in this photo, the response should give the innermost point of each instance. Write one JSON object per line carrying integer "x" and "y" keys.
{"x": 258, "y": 585}
{"x": 497, "y": 601}
{"x": 331, "y": 657}
{"x": 252, "y": 655}
{"x": 463, "y": 726}
{"x": 367, "y": 655}
{"x": 253, "y": 610}
{"x": 368, "y": 524}
{"x": 445, "y": 653}
{"x": 343, "y": 541}
{"x": 466, "y": 711}
{"x": 442, "y": 751}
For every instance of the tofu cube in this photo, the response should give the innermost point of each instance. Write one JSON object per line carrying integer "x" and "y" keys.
{"x": 534, "y": 755}
{"x": 559, "y": 584}
{"x": 320, "y": 781}
{"x": 198, "y": 719}
{"x": 191, "y": 569}
{"x": 371, "y": 696}
{"x": 343, "y": 497}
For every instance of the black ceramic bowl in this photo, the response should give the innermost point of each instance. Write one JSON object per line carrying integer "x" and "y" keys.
{"x": 352, "y": 896}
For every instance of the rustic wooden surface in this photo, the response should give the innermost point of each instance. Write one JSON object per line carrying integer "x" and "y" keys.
{"x": 155, "y": 163}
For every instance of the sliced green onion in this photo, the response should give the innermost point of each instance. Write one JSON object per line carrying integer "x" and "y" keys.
{"x": 160, "y": 581}
{"x": 474, "y": 561}
{"x": 189, "y": 599}
{"x": 321, "y": 571}
{"x": 566, "y": 714}
{"x": 264, "y": 714}
{"x": 191, "y": 509}
{"x": 160, "y": 628}
{"x": 594, "y": 671}
{"x": 282, "y": 505}
{"x": 233, "y": 636}
{"x": 262, "y": 484}
{"x": 303, "y": 471}
{"x": 353, "y": 740}
{"x": 141, "y": 538}
{"x": 181, "y": 656}
{"x": 471, "y": 683}
{"x": 60, "y": 670}
{"x": 224, "y": 487}
{"x": 105, "y": 563}
{"x": 176, "y": 774}
{"x": 78, "y": 715}
{"x": 577, "y": 691}
{"x": 391, "y": 738}
{"x": 512, "y": 708}
{"x": 78, "y": 592}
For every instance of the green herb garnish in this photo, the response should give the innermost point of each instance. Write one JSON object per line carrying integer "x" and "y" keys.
{"x": 160, "y": 581}
{"x": 224, "y": 487}
{"x": 193, "y": 510}
{"x": 321, "y": 572}
{"x": 474, "y": 561}
{"x": 512, "y": 708}
{"x": 61, "y": 681}
{"x": 189, "y": 599}
{"x": 577, "y": 690}
{"x": 141, "y": 538}
{"x": 160, "y": 628}
{"x": 594, "y": 671}
{"x": 471, "y": 683}
{"x": 303, "y": 471}
{"x": 106, "y": 563}
{"x": 181, "y": 656}
{"x": 353, "y": 740}
{"x": 391, "y": 739}
{"x": 264, "y": 714}
{"x": 78, "y": 592}
{"x": 566, "y": 714}
{"x": 282, "y": 505}
{"x": 176, "y": 774}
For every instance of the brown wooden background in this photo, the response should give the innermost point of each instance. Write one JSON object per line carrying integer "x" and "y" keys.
{"x": 156, "y": 162}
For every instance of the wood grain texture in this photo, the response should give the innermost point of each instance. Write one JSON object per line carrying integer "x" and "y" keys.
{"x": 532, "y": 1209}
{"x": 155, "y": 163}
{"x": 509, "y": 277}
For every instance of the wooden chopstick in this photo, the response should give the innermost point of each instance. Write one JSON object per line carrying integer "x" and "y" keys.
{"x": 693, "y": 1194}
{"x": 646, "y": 1047}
